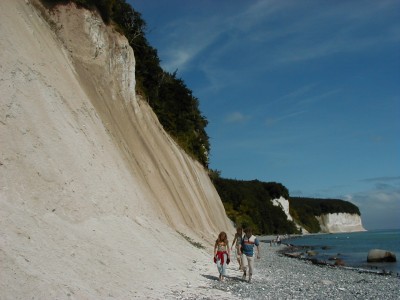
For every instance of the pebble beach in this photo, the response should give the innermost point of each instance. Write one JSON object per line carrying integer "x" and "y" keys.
{"x": 280, "y": 277}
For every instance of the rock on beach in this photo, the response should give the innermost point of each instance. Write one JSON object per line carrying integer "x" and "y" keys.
{"x": 378, "y": 255}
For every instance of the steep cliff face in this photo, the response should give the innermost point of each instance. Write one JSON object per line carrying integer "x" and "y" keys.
{"x": 342, "y": 222}
{"x": 284, "y": 204}
{"x": 93, "y": 192}
{"x": 104, "y": 63}
{"x": 330, "y": 223}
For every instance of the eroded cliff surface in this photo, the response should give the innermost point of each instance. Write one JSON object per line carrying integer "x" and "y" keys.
{"x": 340, "y": 222}
{"x": 329, "y": 223}
{"x": 93, "y": 192}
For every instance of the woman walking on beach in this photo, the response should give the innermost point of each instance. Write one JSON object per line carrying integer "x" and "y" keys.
{"x": 221, "y": 254}
{"x": 248, "y": 243}
{"x": 238, "y": 241}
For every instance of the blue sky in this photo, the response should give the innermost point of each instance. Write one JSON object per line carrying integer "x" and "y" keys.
{"x": 305, "y": 93}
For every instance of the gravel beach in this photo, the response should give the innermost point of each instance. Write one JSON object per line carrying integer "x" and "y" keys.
{"x": 280, "y": 277}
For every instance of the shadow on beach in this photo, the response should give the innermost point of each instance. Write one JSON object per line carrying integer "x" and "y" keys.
{"x": 210, "y": 277}
{"x": 228, "y": 278}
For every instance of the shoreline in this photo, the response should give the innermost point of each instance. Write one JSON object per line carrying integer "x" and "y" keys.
{"x": 299, "y": 252}
{"x": 280, "y": 277}
{"x": 320, "y": 251}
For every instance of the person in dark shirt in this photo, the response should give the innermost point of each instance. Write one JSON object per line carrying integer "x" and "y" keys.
{"x": 237, "y": 241}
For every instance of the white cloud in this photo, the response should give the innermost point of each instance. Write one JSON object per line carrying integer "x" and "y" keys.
{"x": 176, "y": 59}
{"x": 299, "y": 92}
{"x": 380, "y": 205}
{"x": 382, "y": 179}
{"x": 278, "y": 32}
{"x": 236, "y": 117}
{"x": 273, "y": 120}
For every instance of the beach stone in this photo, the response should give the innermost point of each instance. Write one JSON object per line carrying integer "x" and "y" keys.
{"x": 332, "y": 258}
{"x": 339, "y": 262}
{"x": 318, "y": 261}
{"x": 378, "y": 255}
{"x": 311, "y": 253}
{"x": 295, "y": 254}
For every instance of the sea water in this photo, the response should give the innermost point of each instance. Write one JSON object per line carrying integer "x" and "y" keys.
{"x": 353, "y": 247}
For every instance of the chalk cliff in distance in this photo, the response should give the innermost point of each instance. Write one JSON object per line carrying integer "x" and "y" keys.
{"x": 340, "y": 222}
{"x": 284, "y": 204}
{"x": 96, "y": 200}
{"x": 329, "y": 223}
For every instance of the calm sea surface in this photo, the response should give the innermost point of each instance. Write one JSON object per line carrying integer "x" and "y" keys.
{"x": 353, "y": 247}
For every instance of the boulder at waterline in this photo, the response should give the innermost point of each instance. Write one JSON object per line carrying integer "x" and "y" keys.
{"x": 378, "y": 255}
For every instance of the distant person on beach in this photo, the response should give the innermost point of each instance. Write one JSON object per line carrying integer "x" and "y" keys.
{"x": 278, "y": 240}
{"x": 247, "y": 250}
{"x": 221, "y": 254}
{"x": 237, "y": 241}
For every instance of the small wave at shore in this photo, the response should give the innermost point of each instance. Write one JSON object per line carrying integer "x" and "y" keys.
{"x": 280, "y": 277}
{"x": 351, "y": 249}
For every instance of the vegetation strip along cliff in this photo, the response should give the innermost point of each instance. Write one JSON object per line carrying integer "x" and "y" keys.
{"x": 172, "y": 101}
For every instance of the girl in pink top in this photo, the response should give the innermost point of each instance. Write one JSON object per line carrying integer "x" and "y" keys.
{"x": 221, "y": 254}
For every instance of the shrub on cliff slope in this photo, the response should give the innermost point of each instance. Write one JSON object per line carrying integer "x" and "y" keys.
{"x": 248, "y": 203}
{"x": 172, "y": 101}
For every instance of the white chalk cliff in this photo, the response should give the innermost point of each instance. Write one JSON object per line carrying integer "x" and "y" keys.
{"x": 340, "y": 222}
{"x": 95, "y": 198}
{"x": 330, "y": 223}
{"x": 284, "y": 204}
